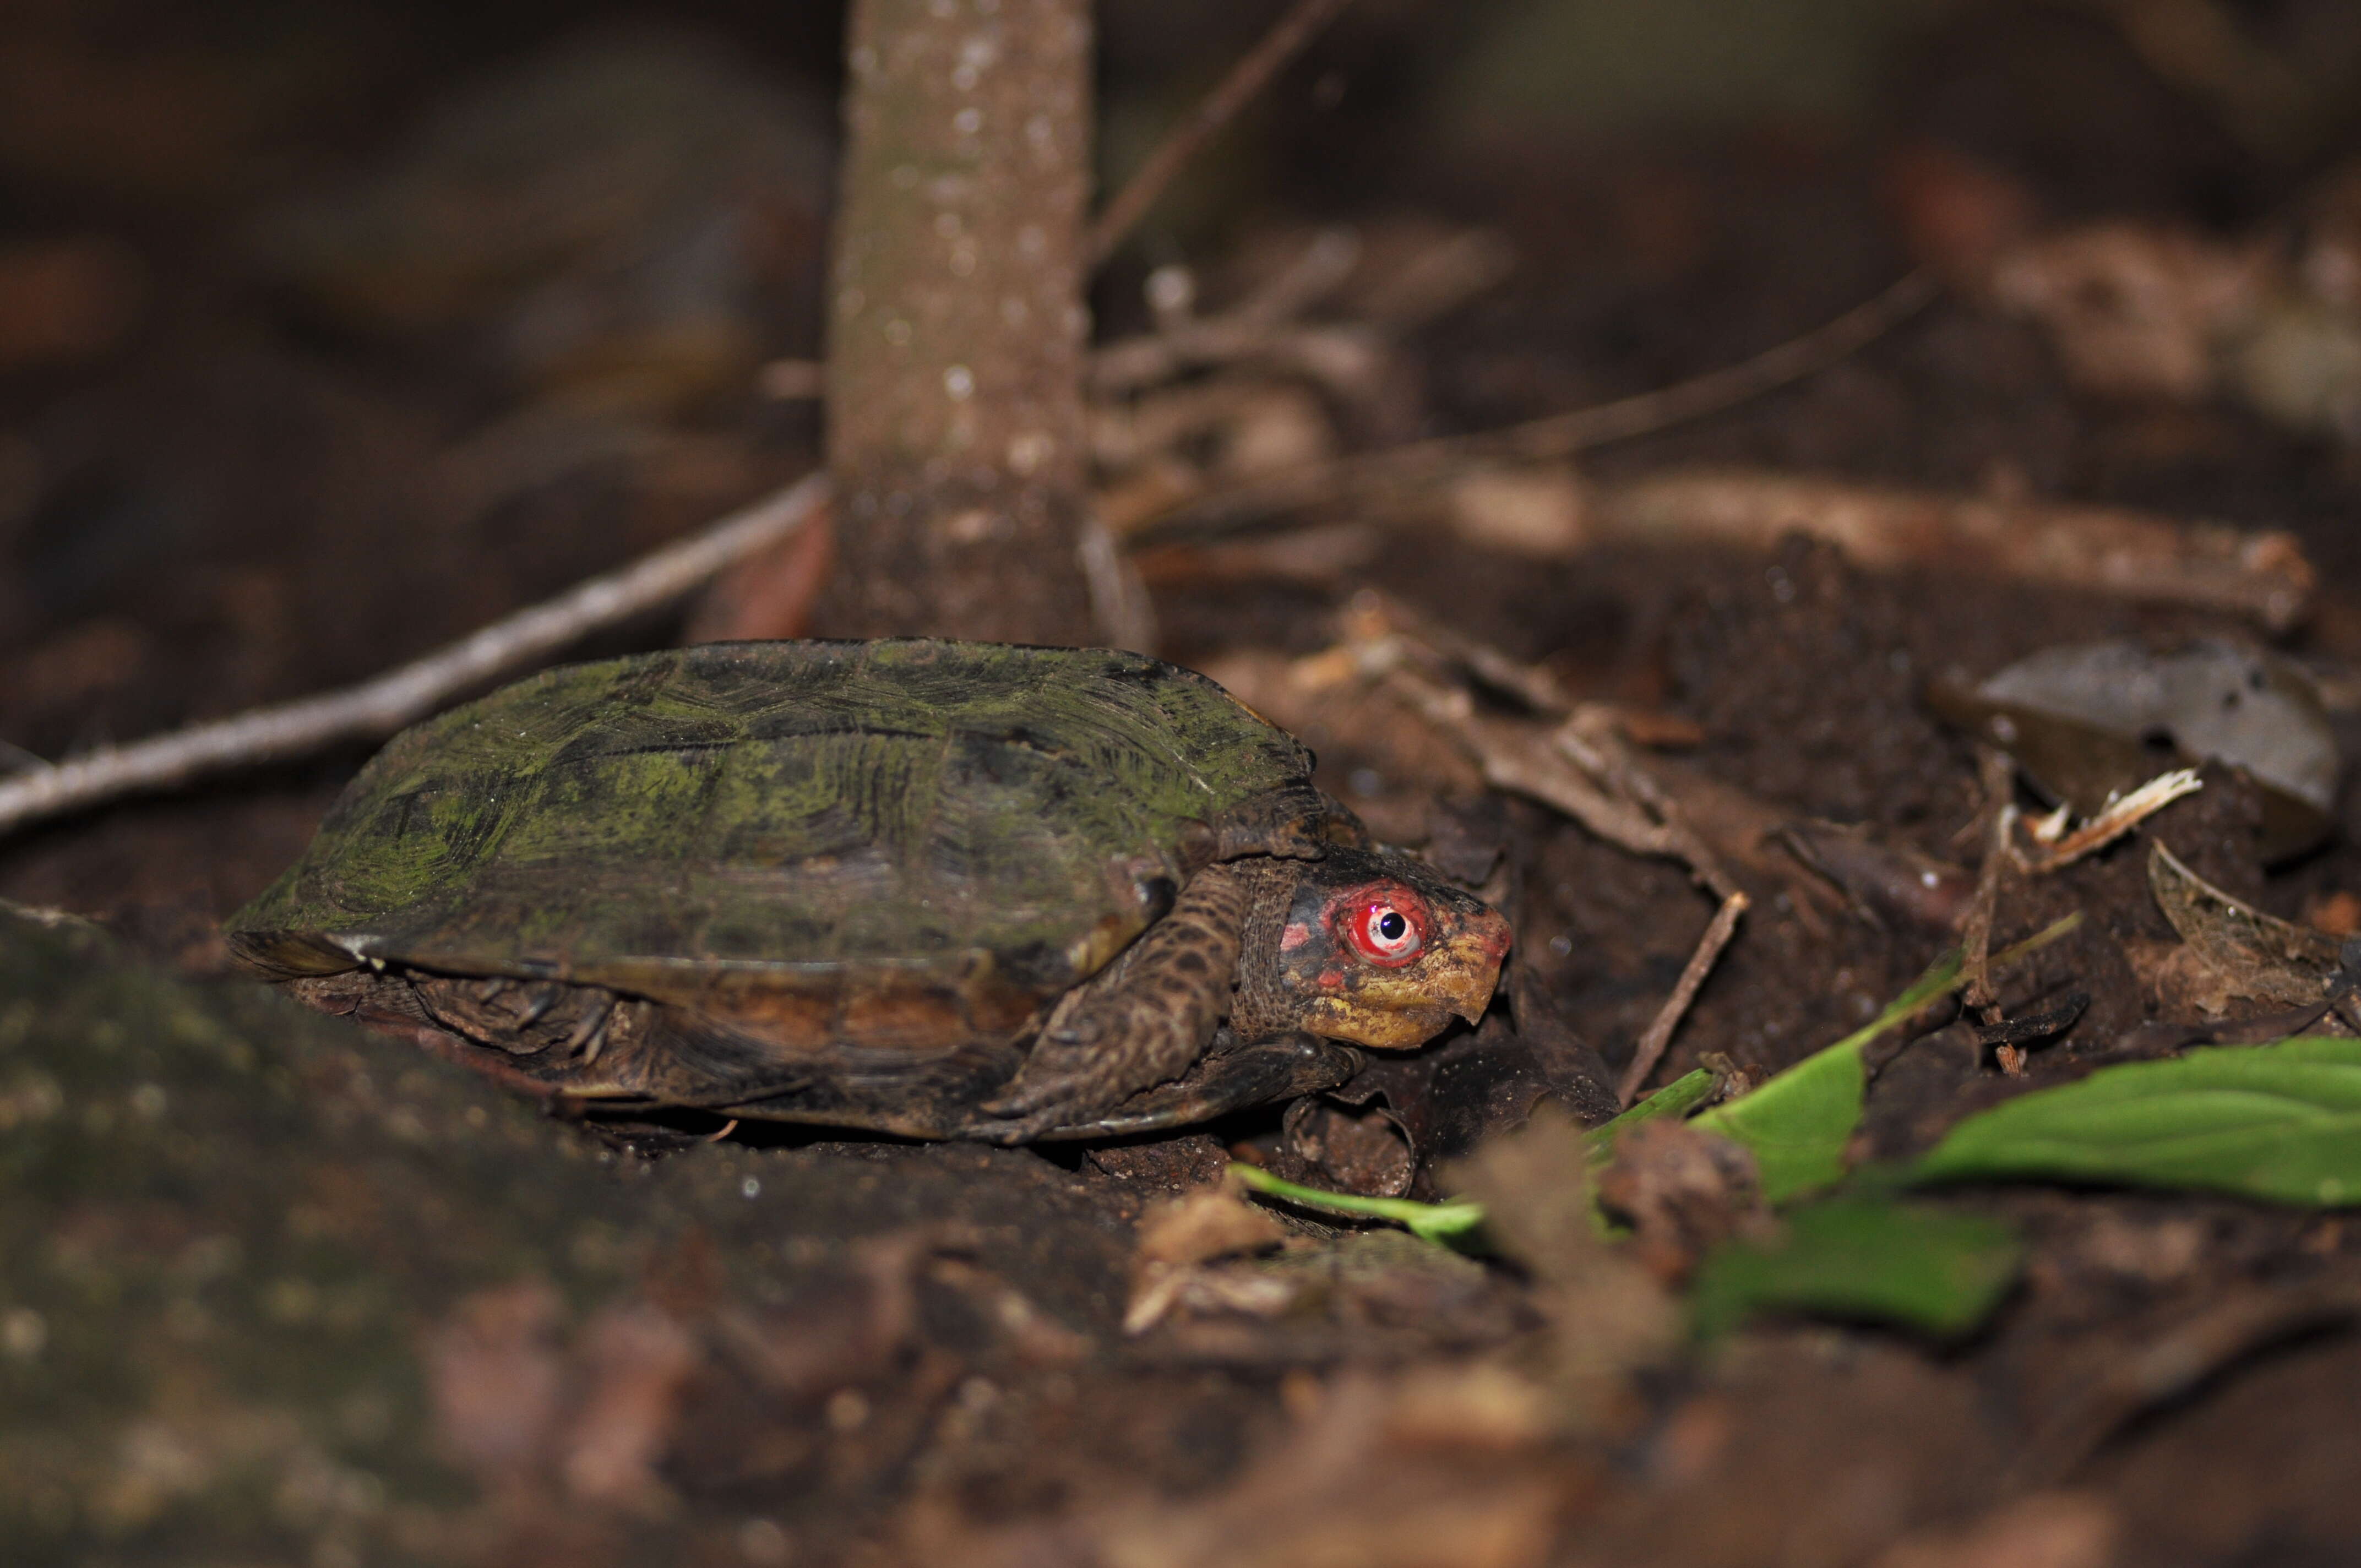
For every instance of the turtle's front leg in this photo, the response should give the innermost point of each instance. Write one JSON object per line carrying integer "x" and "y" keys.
{"x": 1140, "y": 1022}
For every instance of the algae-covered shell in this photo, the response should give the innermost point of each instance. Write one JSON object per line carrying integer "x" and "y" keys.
{"x": 904, "y": 843}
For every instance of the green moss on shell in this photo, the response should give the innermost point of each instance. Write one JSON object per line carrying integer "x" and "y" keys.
{"x": 803, "y": 807}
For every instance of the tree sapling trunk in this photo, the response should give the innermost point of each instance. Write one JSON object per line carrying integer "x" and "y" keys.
{"x": 958, "y": 324}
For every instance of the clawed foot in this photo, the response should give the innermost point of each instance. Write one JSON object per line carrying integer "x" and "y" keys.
{"x": 1056, "y": 1086}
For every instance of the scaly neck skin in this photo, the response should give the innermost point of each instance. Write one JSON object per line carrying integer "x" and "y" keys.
{"x": 1265, "y": 1005}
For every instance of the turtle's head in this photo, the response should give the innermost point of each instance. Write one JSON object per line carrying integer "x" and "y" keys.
{"x": 1379, "y": 951}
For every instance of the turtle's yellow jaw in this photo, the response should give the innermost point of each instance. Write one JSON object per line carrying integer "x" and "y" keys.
{"x": 1380, "y": 951}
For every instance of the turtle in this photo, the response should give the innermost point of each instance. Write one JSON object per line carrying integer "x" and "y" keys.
{"x": 921, "y": 887}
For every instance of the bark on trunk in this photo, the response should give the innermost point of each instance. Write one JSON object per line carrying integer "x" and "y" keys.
{"x": 955, "y": 373}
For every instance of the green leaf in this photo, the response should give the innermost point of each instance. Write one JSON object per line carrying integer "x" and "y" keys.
{"x": 1798, "y": 1124}
{"x": 1445, "y": 1225}
{"x": 1672, "y": 1099}
{"x": 2277, "y": 1121}
{"x": 1863, "y": 1260}
{"x": 1456, "y": 1225}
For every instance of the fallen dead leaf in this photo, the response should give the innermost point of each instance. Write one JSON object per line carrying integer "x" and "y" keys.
{"x": 2081, "y": 721}
{"x": 1957, "y": 213}
{"x": 1208, "y": 1223}
{"x": 2338, "y": 913}
{"x": 769, "y": 594}
{"x": 1180, "y": 1233}
{"x": 2255, "y": 954}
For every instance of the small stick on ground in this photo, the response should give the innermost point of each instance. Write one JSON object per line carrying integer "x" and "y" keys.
{"x": 1580, "y": 767}
{"x": 1373, "y": 614}
{"x": 1562, "y": 435}
{"x": 1519, "y": 758}
{"x": 1651, "y": 1049}
{"x": 1590, "y": 741}
{"x": 1996, "y": 777}
{"x": 2107, "y": 549}
{"x": 378, "y": 708}
{"x": 1259, "y": 64}
{"x": 1343, "y": 359}
{"x": 2120, "y": 816}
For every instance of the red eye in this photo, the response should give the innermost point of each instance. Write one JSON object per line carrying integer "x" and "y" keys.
{"x": 1387, "y": 931}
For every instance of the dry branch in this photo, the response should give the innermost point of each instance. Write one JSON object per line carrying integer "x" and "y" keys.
{"x": 378, "y": 708}
{"x": 1996, "y": 777}
{"x": 1258, "y": 66}
{"x": 1650, "y": 1048}
{"x": 2111, "y": 549}
{"x": 1356, "y": 480}
{"x": 2060, "y": 849}
{"x": 1580, "y": 766}
{"x": 1259, "y": 328}
{"x": 1521, "y": 759}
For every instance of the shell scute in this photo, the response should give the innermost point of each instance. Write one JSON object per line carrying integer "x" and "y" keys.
{"x": 907, "y": 838}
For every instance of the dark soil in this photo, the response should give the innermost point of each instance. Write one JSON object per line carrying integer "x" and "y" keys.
{"x": 867, "y": 1352}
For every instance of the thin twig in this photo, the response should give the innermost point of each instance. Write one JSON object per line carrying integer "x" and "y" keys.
{"x": 1346, "y": 479}
{"x": 1519, "y": 758}
{"x": 2115, "y": 550}
{"x": 1261, "y": 326}
{"x": 1580, "y": 767}
{"x": 1120, "y": 607}
{"x": 1373, "y": 613}
{"x": 1281, "y": 44}
{"x": 1996, "y": 777}
{"x": 1651, "y": 1049}
{"x": 1343, "y": 359}
{"x": 1562, "y": 435}
{"x": 2120, "y": 816}
{"x": 379, "y": 707}
{"x": 1589, "y": 740}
